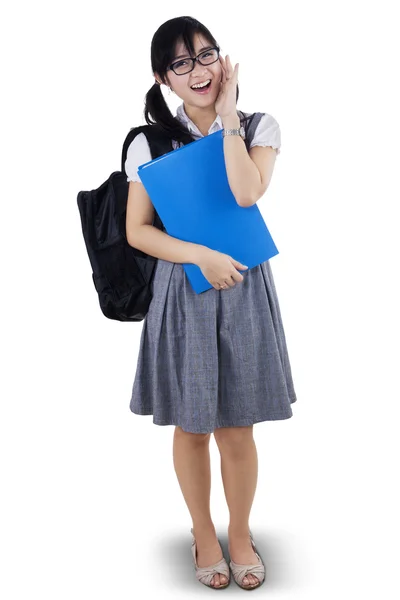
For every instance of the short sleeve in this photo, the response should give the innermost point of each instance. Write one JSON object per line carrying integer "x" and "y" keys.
{"x": 138, "y": 153}
{"x": 268, "y": 133}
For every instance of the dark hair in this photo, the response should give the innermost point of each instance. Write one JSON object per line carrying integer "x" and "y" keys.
{"x": 162, "y": 55}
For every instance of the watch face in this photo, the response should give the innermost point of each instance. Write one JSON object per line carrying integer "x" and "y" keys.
{"x": 242, "y": 132}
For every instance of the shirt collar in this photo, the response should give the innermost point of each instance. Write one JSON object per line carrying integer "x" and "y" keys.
{"x": 182, "y": 116}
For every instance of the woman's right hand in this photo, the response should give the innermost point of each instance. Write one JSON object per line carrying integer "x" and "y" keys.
{"x": 220, "y": 269}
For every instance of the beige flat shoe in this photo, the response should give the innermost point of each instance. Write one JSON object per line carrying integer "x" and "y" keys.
{"x": 205, "y": 574}
{"x": 239, "y": 572}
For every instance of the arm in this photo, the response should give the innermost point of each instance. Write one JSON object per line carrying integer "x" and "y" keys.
{"x": 249, "y": 173}
{"x": 141, "y": 234}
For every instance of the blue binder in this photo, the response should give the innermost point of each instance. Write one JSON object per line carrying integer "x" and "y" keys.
{"x": 189, "y": 188}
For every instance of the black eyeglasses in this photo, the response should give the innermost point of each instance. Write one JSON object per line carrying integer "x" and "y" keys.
{"x": 185, "y": 65}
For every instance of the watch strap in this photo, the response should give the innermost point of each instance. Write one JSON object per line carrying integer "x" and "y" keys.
{"x": 238, "y": 131}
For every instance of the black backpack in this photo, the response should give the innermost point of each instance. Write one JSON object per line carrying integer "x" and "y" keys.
{"x": 122, "y": 274}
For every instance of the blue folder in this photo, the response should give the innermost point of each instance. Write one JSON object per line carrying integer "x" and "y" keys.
{"x": 189, "y": 188}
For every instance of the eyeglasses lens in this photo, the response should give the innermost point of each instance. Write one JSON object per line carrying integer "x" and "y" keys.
{"x": 186, "y": 65}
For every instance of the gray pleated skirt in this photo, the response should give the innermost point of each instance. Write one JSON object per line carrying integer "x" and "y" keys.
{"x": 216, "y": 359}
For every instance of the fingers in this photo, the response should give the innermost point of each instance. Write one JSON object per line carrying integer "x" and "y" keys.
{"x": 229, "y": 66}
{"x": 224, "y": 285}
{"x": 223, "y": 69}
{"x": 236, "y": 276}
{"x": 227, "y": 70}
{"x": 230, "y": 281}
{"x": 233, "y": 71}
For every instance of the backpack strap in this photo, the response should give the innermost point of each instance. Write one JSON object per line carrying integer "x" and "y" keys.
{"x": 250, "y": 124}
{"x": 158, "y": 141}
{"x": 133, "y": 132}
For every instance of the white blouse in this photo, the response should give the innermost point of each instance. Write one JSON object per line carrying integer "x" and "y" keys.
{"x": 267, "y": 134}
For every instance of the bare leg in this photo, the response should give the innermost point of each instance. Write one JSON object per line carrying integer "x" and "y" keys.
{"x": 239, "y": 469}
{"x": 191, "y": 454}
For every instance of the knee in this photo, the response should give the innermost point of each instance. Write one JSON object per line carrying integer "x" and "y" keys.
{"x": 194, "y": 438}
{"x": 232, "y": 439}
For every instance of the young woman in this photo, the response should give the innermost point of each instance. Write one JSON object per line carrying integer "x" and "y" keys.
{"x": 215, "y": 362}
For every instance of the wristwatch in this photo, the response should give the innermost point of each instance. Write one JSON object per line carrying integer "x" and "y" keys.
{"x": 239, "y": 131}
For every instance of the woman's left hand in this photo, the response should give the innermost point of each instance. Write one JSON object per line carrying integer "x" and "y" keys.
{"x": 225, "y": 104}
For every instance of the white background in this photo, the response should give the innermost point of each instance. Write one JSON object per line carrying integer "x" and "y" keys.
{"x": 90, "y": 503}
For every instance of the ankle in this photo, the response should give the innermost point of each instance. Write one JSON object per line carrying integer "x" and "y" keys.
{"x": 204, "y": 527}
{"x": 240, "y": 531}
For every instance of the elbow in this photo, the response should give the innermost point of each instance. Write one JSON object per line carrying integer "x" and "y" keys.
{"x": 250, "y": 200}
{"x": 133, "y": 234}
{"x": 243, "y": 201}
{"x": 128, "y": 236}
{"x": 247, "y": 201}
{"x": 132, "y": 239}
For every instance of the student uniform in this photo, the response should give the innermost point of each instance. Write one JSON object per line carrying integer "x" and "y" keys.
{"x": 216, "y": 359}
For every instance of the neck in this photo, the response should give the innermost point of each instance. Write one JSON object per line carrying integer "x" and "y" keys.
{"x": 203, "y": 118}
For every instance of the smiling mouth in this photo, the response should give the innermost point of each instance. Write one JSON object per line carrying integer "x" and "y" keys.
{"x": 204, "y": 87}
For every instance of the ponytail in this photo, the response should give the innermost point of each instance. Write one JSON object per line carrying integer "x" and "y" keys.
{"x": 157, "y": 112}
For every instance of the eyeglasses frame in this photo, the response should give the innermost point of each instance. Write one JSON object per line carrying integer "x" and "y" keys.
{"x": 194, "y": 61}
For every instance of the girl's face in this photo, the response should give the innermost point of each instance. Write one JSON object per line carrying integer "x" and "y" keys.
{"x": 181, "y": 84}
